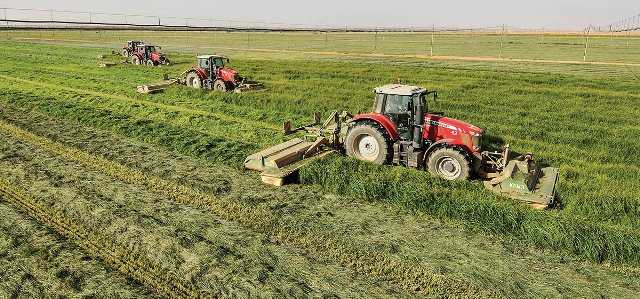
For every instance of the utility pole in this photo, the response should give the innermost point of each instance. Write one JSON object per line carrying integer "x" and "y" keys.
{"x": 51, "y": 14}
{"x": 501, "y": 42}
{"x": 90, "y": 18}
{"x": 433, "y": 32}
{"x": 586, "y": 43}
{"x": 326, "y": 38}
{"x": 375, "y": 40}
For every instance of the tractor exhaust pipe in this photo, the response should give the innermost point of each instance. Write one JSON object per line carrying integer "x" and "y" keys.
{"x": 418, "y": 122}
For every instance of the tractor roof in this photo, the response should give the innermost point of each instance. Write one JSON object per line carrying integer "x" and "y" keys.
{"x": 209, "y": 56}
{"x": 399, "y": 89}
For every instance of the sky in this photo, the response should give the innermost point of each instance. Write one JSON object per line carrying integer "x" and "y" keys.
{"x": 552, "y": 14}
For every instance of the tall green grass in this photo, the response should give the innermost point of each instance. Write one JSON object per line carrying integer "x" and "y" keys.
{"x": 479, "y": 209}
{"x": 573, "y": 117}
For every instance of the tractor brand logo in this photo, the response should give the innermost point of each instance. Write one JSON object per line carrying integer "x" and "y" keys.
{"x": 443, "y": 125}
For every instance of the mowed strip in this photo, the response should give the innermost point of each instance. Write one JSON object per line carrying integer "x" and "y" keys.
{"x": 94, "y": 243}
{"x": 288, "y": 230}
{"x": 177, "y": 192}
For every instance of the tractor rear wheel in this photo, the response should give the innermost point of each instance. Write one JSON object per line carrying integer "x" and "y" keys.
{"x": 369, "y": 142}
{"x": 193, "y": 80}
{"x": 150, "y": 63}
{"x": 219, "y": 85}
{"x": 135, "y": 60}
{"x": 449, "y": 164}
{"x": 125, "y": 53}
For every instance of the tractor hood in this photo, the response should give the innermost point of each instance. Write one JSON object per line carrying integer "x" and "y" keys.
{"x": 452, "y": 124}
{"x": 228, "y": 74}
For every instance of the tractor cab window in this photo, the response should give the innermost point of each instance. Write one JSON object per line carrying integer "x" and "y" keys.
{"x": 399, "y": 109}
{"x": 151, "y": 49}
{"x": 218, "y": 62}
{"x": 203, "y": 63}
{"x": 397, "y": 104}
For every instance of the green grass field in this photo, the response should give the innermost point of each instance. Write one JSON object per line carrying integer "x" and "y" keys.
{"x": 106, "y": 191}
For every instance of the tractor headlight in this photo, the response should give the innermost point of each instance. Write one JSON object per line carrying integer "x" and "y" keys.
{"x": 477, "y": 141}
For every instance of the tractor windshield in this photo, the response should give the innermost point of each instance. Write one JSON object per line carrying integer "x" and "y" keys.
{"x": 218, "y": 62}
{"x": 151, "y": 49}
{"x": 397, "y": 104}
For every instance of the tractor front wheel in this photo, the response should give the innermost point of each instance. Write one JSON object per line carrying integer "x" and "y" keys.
{"x": 368, "y": 142}
{"x": 135, "y": 60}
{"x": 219, "y": 85}
{"x": 449, "y": 164}
{"x": 125, "y": 53}
{"x": 150, "y": 63}
{"x": 193, "y": 80}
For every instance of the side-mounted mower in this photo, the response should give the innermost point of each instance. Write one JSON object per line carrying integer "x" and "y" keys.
{"x": 401, "y": 131}
{"x": 209, "y": 74}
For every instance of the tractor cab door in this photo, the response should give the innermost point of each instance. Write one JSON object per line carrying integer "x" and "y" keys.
{"x": 399, "y": 109}
{"x": 205, "y": 64}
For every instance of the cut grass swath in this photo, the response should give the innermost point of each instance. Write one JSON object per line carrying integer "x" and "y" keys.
{"x": 286, "y": 229}
{"x": 480, "y": 210}
{"x": 95, "y": 244}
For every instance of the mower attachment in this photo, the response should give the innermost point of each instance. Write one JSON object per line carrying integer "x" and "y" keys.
{"x": 152, "y": 88}
{"x": 522, "y": 180}
{"x": 248, "y": 86}
{"x": 279, "y": 162}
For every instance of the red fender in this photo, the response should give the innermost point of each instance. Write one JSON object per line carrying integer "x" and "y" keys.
{"x": 382, "y": 120}
{"x": 200, "y": 71}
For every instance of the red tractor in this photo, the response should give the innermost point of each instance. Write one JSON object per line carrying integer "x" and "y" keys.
{"x": 212, "y": 74}
{"x": 130, "y": 47}
{"x": 401, "y": 131}
{"x": 149, "y": 55}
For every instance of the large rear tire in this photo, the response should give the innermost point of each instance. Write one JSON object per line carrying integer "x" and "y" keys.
{"x": 369, "y": 142}
{"x": 135, "y": 60}
{"x": 449, "y": 164}
{"x": 219, "y": 85}
{"x": 193, "y": 80}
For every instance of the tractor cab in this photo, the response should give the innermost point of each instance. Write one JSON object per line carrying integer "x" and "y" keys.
{"x": 211, "y": 63}
{"x": 133, "y": 44}
{"x": 399, "y": 103}
{"x": 145, "y": 50}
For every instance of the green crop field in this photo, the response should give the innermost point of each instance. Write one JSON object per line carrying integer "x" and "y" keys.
{"x": 105, "y": 192}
